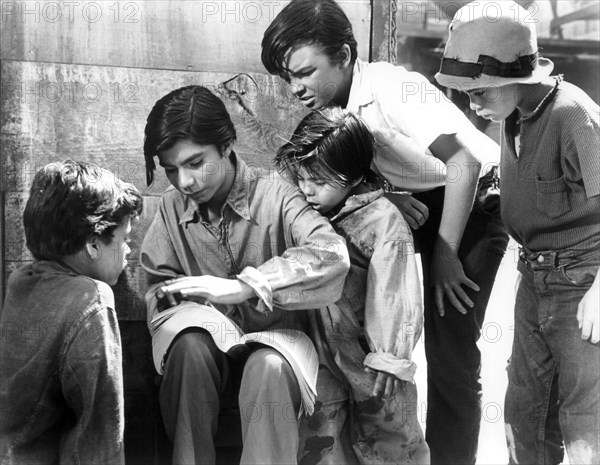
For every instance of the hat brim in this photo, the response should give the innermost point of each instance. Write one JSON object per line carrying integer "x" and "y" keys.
{"x": 542, "y": 71}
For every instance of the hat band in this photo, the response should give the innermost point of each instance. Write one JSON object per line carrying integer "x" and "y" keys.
{"x": 521, "y": 67}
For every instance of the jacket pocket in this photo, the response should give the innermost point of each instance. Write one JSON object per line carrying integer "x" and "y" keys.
{"x": 553, "y": 197}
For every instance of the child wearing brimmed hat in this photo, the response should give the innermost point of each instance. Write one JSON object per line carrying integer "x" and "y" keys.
{"x": 550, "y": 204}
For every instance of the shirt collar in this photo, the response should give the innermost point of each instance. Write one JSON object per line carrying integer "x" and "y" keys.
{"x": 360, "y": 90}
{"x": 55, "y": 265}
{"x": 239, "y": 194}
{"x": 542, "y": 105}
{"x": 237, "y": 198}
{"x": 364, "y": 196}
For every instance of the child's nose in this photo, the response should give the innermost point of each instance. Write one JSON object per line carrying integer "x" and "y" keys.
{"x": 306, "y": 188}
{"x": 473, "y": 105}
{"x": 298, "y": 88}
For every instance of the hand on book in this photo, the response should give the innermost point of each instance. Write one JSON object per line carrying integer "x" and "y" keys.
{"x": 212, "y": 288}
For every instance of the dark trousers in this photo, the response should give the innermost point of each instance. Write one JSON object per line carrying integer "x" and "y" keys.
{"x": 553, "y": 375}
{"x": 197, "y": 377}
{"x": 453, "y": 359}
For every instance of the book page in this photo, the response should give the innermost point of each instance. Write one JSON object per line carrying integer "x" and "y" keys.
{"x": 169, "y": 323}
{"x": 294, "y": 345}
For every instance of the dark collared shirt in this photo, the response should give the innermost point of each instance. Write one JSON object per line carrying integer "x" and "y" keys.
{"x": 551, "y": 191}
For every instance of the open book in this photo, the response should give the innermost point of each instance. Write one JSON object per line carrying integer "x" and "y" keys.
{"x": 294, "y": 345}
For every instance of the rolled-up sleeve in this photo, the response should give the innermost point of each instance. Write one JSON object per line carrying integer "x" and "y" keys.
{"x": 310, "y": 273}
{"x": 269, "y": 238}
{"x": 393, "y": 308}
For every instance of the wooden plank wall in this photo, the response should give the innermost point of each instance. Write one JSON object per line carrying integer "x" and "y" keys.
{"x": 191, "y": 35}
{"x": 94, "y": 126}
{"x": 79, "y": 78}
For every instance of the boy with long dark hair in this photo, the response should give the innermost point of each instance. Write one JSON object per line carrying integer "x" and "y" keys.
{"x": 245, "y": 240}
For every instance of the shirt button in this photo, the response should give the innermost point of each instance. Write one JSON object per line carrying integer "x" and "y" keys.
{"x": 540, "y": 259}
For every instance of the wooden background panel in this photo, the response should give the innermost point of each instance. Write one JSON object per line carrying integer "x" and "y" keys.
{"x": 183, "y": 35}
{"x": 51, "y": 112}
{"x": 101, "y": 120}
{"x": 383, "y": 37}
{"x": 15, "y": 250}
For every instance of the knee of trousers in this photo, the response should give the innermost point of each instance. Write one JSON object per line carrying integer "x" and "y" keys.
{"x": 269, "y": 389}
{"x": 267, "y": 372}
{"x": 270, "y": 365}
{"x": 195, "y": 349}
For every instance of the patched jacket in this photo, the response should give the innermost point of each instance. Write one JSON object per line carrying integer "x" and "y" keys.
{"x": 381, "y": 305}
{"x": 382, "y": 291}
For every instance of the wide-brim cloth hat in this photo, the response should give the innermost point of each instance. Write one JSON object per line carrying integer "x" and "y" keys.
{"x": 492, "y": 44}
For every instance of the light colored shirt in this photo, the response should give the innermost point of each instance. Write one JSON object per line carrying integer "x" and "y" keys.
{"x": 268, "y": 237}
{"x": 397, "y": 104}
{"x": 382, "y": 291}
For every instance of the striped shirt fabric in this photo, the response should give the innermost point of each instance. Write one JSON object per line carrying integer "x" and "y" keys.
{"x": 551, "y": 188}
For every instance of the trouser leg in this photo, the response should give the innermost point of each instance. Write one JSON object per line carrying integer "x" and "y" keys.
{"x": 453, "y": 358}
{"x": 578, "y": 391}
{"x": 531, "y": 407}
{"x": 325, "y": 435}
{"x": 269, "y": 401}
{"x": 194, "y": 372}
{"x": 577, "y": 360}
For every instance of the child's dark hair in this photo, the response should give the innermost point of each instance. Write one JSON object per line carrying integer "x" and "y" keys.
{"x": 307, "y": 22}
{"x": 189, "y": 113}
{"x": 332, "y": 145}
{"x": 70, "y": 202}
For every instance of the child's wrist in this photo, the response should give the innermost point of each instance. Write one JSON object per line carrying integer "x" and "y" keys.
{"x": 448, "y": 249}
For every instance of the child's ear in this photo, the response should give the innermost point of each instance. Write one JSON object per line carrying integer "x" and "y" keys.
{"x": 92, "y": 249}
{"x": 344, "y": 56}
